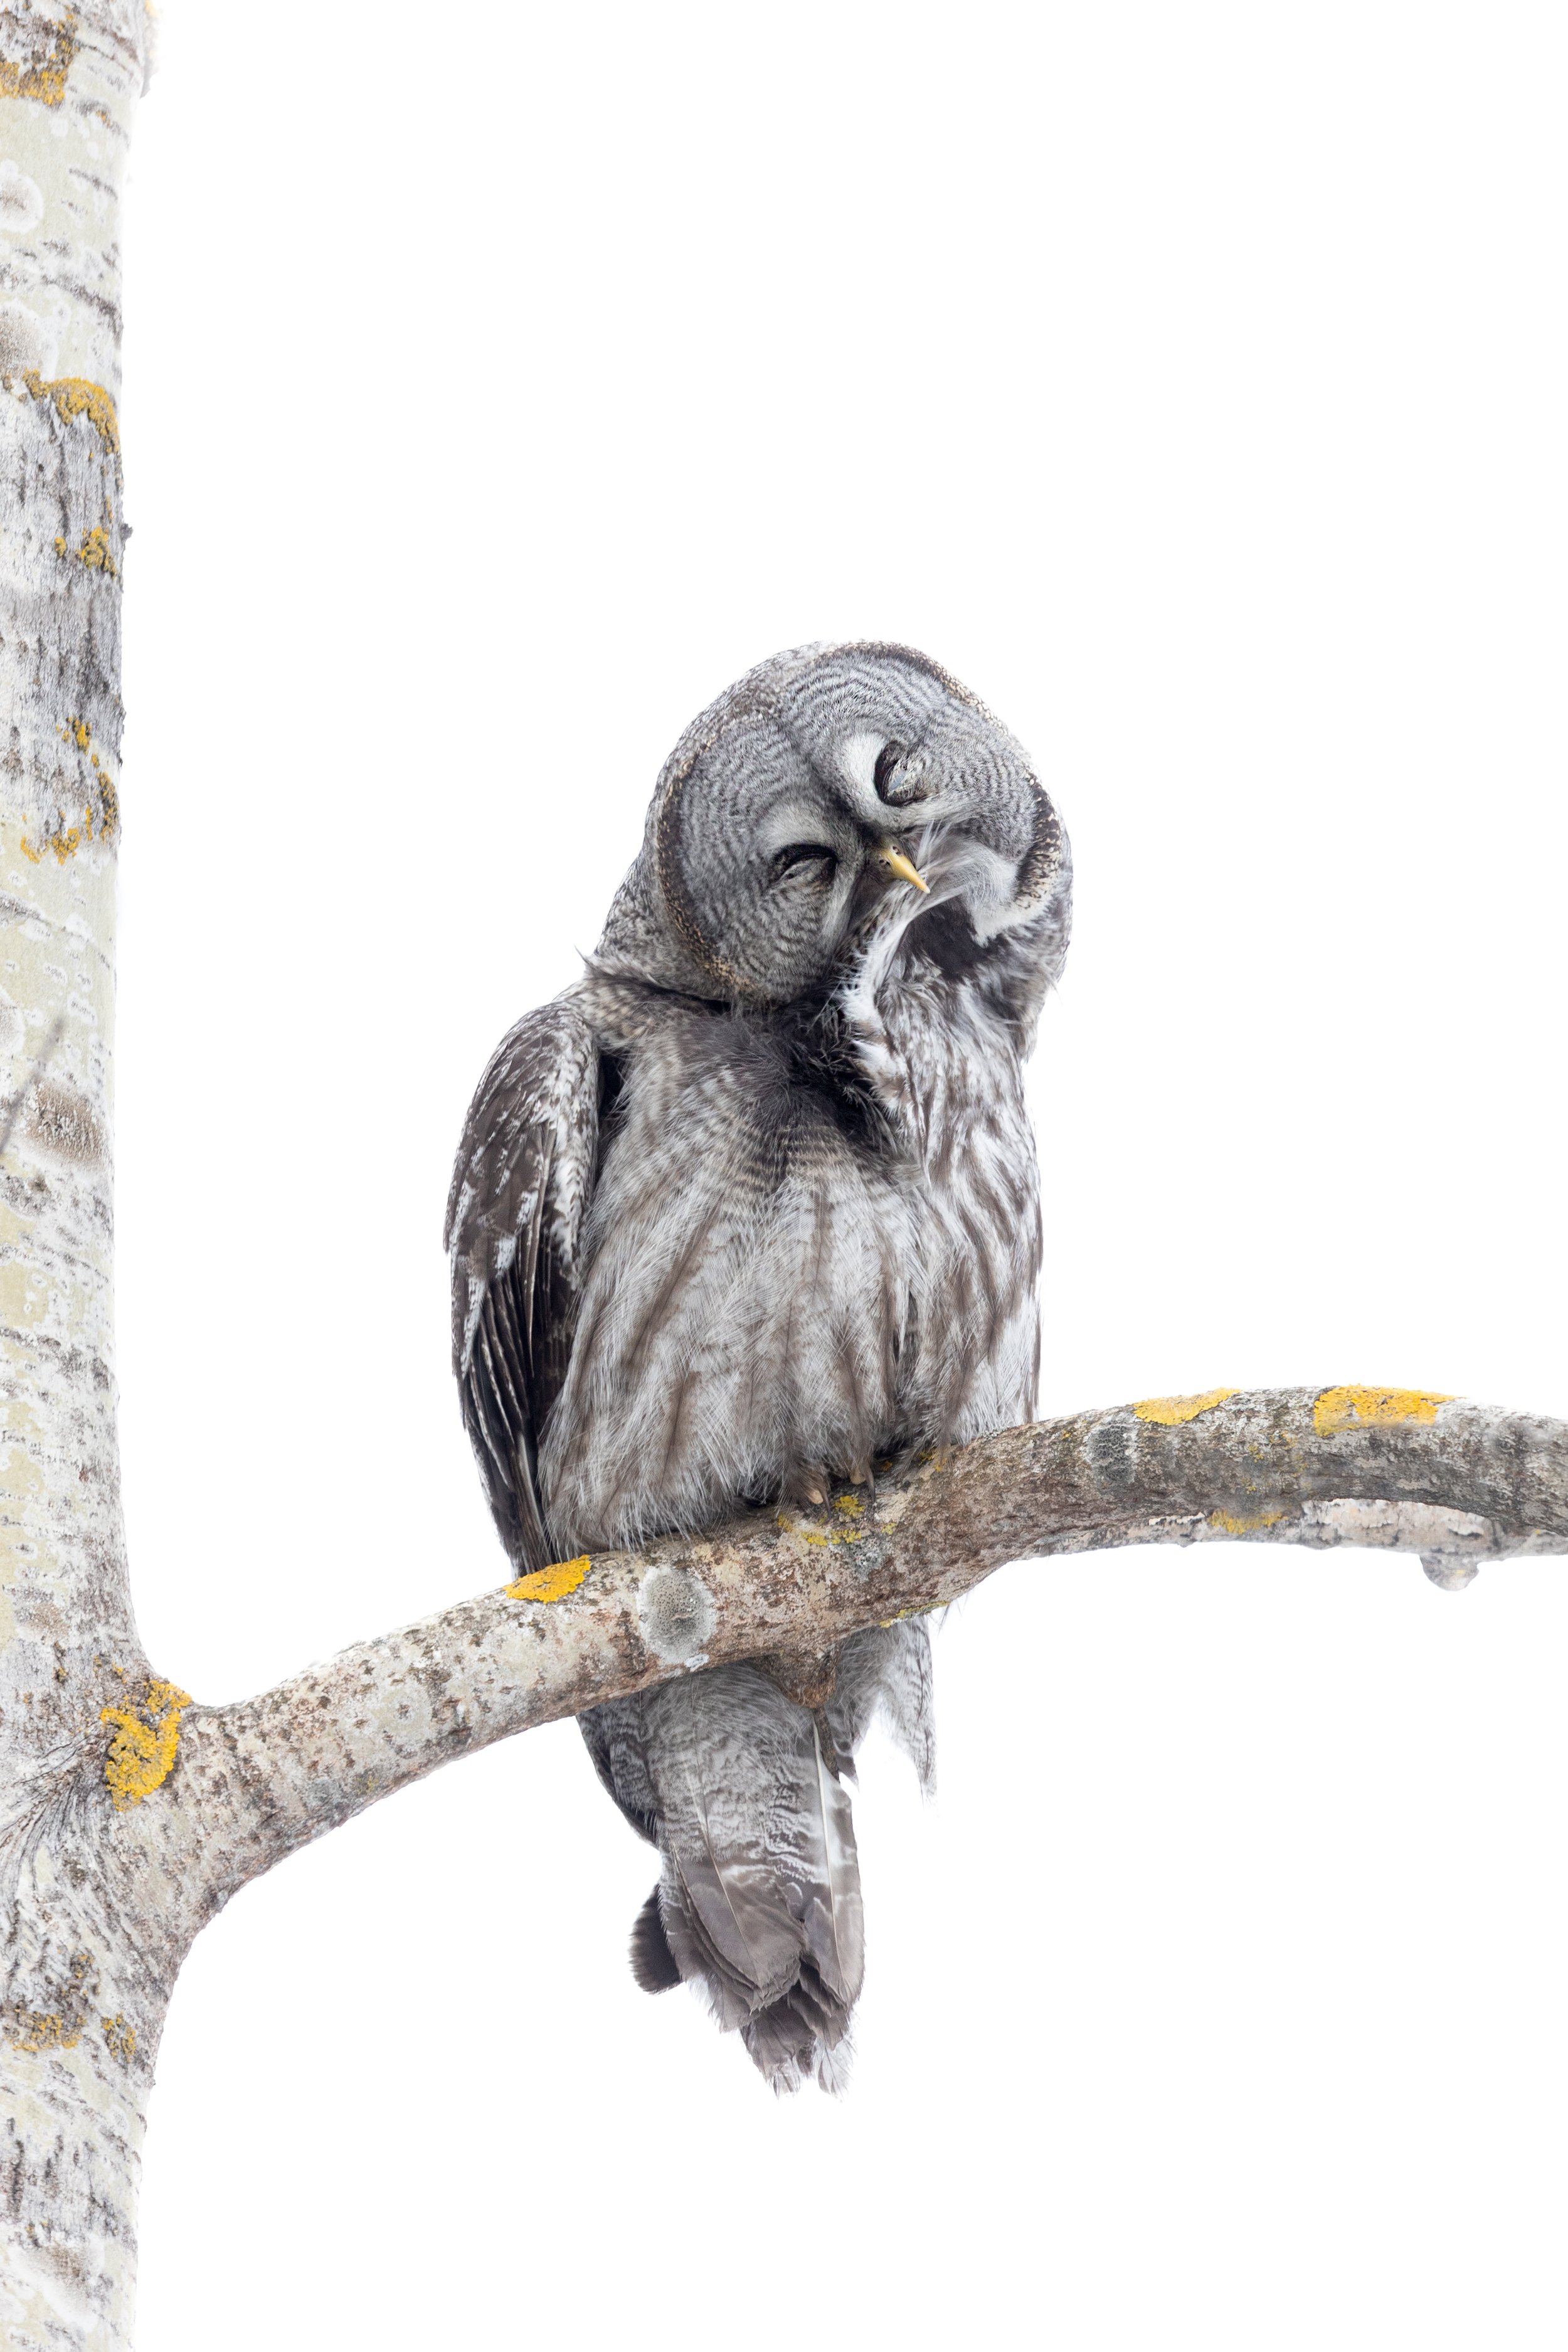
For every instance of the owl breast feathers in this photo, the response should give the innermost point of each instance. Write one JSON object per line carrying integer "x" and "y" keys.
{"x": 750, "y": 1208}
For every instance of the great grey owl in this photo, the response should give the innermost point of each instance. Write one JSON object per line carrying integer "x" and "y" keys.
{"x": 750, "y": 1209}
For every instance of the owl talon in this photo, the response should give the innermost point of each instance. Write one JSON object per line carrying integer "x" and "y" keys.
{"x": 804, "y": 1487}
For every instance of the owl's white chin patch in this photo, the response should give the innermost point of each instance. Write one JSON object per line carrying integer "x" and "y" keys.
{"x": 985, "y": 881}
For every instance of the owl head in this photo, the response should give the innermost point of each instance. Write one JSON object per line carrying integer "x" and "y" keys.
{"x": 832, "y": 794}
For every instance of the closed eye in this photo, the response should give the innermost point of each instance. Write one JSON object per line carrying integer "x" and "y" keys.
{"x": 802, "y": 853}
{"x": 888, "y": 759}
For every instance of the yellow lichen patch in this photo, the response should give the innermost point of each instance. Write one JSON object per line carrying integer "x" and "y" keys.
{"x": 851, "y": 1504}
{"x": 33, "y": 2029}
{"x": 74, "y": 396}
{"x": 551, "y": 1583}
{"x": 146, "y": 1740}
{"x": 42, "y": 74}
{"x": 58, "y": 2027}
{"x": 94, "y": 551}
{"x": 1232, "y": 1523}
{"x": 68, "y": 839}
{"x": 1352, "y": 1408}
{"x": 120, "y": 2038}
{"x": 811, "y": 1536}
{"x": 1171, "y": 1411}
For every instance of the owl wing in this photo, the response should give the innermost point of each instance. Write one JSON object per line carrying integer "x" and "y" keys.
{"x": 520, "y": 1193}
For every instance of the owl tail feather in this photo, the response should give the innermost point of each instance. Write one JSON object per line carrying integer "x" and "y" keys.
{"x": 801, "y": 2036}
{"x": 654, "y": 1965}
{"x": 758, "y": 1906}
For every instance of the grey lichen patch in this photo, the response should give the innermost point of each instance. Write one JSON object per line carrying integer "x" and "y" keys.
{"x": 1111, "y": 1449}
{"x": 28, "y": 345}
{"x": 21, "y": 200}
{"x": 63, "y": 1123}
{"x": 678, "y": 1615}
{"x": 1449, "y": 1571}
{"x": 1369, "y": 1519}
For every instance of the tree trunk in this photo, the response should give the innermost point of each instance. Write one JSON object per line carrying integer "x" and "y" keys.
{"x": 128, "y": 1813}
{"x": 84, "y": 1990}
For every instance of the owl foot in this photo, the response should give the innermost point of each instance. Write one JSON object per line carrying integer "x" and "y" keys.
{"x": 810, "y": 1486}
{"x": 804, "y": 1487}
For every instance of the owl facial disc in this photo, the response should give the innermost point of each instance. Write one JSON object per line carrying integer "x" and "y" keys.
{"x": 789, "y": 806}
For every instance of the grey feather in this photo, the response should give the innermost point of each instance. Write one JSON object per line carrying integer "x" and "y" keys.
{"x": 514, "y": 1220}
{"x": 885, "y": 1674}
{"x": 760, "y": 1897}
{"x": 753, "y": 1202}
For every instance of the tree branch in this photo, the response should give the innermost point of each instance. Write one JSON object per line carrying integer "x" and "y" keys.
{"x": 1454, "y": 1481}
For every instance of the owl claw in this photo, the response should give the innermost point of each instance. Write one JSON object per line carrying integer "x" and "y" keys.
{"x": 805, "y": 1487}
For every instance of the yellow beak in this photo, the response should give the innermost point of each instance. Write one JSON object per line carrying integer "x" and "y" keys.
{"x": 901, "y": 866}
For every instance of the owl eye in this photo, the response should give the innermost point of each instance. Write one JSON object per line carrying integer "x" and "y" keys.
{"x": 802, "y": 853}
{"x": 888, "y": 759}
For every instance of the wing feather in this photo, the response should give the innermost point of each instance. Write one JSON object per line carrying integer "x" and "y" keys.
{"x": 520, "y": 1188}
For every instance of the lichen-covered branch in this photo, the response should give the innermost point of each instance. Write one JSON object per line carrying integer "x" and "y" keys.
{"x": 154, "y": 1810}
{"x": 1451, "y": 1482}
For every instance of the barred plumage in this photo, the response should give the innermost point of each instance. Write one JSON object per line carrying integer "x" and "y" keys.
{"x": 752, "y": 1205}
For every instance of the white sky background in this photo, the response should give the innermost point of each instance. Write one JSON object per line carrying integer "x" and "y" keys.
{"x": 502, "y": 383}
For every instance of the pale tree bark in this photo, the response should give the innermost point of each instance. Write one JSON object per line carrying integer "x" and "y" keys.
{"x": 128, "y": 1814}
{"x": 75, "y": 1970}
